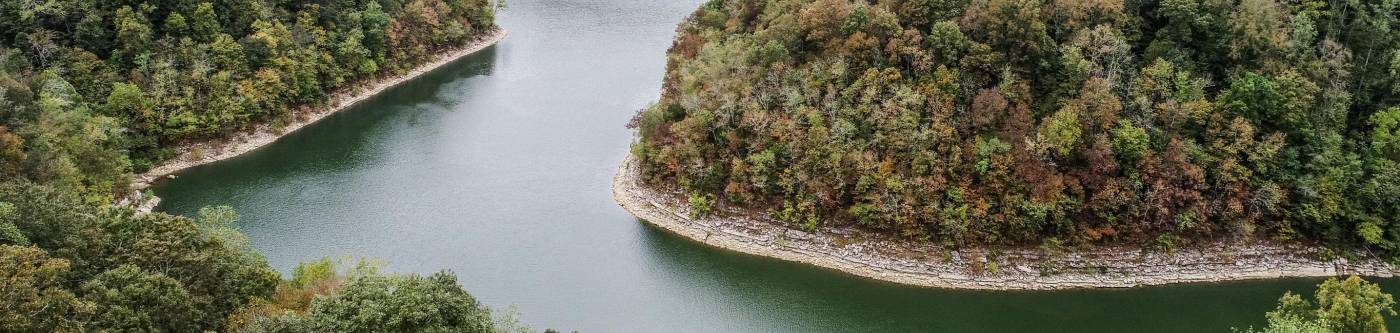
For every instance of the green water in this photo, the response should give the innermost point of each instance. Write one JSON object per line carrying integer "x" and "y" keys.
{"x": 497, "y": 167}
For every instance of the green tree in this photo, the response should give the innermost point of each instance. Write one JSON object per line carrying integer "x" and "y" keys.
{"x": 1185, "y": 120}
{"x": 205, "y": 24}
{"x": 12, "y": 154}
{"x": 130, "y": 299}
{"x": 1260, "y": 31}
{"x": 1351, "y": 305}
{"x": 133, "y": 32}
{"x": 374, "y": 23}
{"x": 1130, "y": 142}
{"x": 34, "y": 298}
{"x": 1354, "y": 305}
{"x": 361, "y": 299}
{"x": 93, "y": 34}
{"x": 1254, "y": 97}
{"x": 1062, "y": 131}
{"x": 9, "y": 232}
{"x": 128, "y": 102}
{"x": 1385, "y": 135}
{"x": 175, "y": 25}
{"x": 402, "y": 304}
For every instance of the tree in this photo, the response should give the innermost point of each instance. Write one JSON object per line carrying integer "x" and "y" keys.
{"x": 1196, "y": 33}
{"x": 1261, "y": 31}
{"x": 227, "y": 54}
{"x": 1062, "y": 131}
{"x": 34, "y": 298}
{"x": 175, "y": 25}
{"x": 130, "y": 299}
{"x": 360, "y": 299}
{"x": 128, "y": 102}
{"x": 1385, "y": 137}
{"x": 1130, "y": 142}
{"x": 375, "y": 24}
{"x": 823, "y": 20}
{"x": 11, "y": 154}
{"x": 1254, "y": 97}
{"x": 205, "y": 24}
{"x": 947, "y": 41}
{"x": 214, "y": 275}
{"x": 1013, "y": 28}
{"x": 1342, "y": 306}
{"x": 9, "y": 232}
{"x": 70, "y": 146}
{"x": 133, "y": 32}
{"x": 93, "y": 34}
{"x": 402, "y": 304}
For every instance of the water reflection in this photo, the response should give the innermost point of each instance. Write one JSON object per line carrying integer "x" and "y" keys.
{"x": 805, "y": 298}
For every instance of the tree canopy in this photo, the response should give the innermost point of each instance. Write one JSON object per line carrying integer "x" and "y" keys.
{"x": 1339, "y": 306}
{"x": 320, "y": 298}
{"x": 73, "y": 267}
{"x": 76, "y": 267}
{"x": 992, "y": 122}
{"x": 92, "y": 91}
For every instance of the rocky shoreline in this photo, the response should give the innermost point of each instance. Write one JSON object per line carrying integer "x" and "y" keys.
{"x": 931, "y": 265}
{"x": 203, "y": 152}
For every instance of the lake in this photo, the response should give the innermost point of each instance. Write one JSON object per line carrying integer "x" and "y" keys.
{"x": 497, "y": 167}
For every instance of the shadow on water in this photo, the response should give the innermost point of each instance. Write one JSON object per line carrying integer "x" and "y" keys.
{"x": 828, "y": 300}
{"x": 339, "y": 142}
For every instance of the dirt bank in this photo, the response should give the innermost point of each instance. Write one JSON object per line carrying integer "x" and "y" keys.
{"x": 931, "y": 265}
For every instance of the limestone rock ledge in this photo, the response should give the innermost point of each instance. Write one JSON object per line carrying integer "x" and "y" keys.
{"x": 903, "y": 261}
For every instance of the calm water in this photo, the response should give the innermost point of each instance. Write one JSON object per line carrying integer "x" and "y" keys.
{"x": 497, "y": 167}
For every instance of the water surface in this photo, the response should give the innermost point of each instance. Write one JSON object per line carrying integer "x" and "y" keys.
{"x": 497, "y": 167}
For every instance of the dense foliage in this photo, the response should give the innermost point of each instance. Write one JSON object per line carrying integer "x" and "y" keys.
{"x": 67, "y": 266}
{"x": 362, "y": 300}
{"x": 1342, "y": 306}
{"x": 1026, "y": 121}
{"x": 82, "y": 83}
{"x": 91, "y": 91}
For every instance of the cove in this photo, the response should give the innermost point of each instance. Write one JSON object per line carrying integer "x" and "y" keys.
{"x": 498, "y": 167}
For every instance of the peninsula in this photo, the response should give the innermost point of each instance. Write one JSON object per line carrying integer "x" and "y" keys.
{"x": 1011, "y": 144}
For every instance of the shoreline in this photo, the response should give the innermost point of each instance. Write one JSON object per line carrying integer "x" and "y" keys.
{"x": 926, "y": 264}
{"x": 208, "y": 151}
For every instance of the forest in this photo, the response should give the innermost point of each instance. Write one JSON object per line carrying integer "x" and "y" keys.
{"x": 93, "y": 91}
{"x": 1028, "y": 122}
{"x": 67, "y": 266}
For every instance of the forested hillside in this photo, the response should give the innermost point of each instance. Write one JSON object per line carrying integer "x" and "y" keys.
{"x": 85, "y": 84}
{"x": 91, "y": 91}
{"x": 1027, "y": 122}
{"x": 66, "y": 266}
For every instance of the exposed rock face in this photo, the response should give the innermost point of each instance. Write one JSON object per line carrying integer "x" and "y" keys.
{"x": 927, "y": 264}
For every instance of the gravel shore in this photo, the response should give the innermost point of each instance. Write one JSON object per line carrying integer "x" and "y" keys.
{"x": 926, "y": 264}
{"x": 199, "y": 153}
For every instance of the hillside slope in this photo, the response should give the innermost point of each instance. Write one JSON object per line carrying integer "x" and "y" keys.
{"x": 1023, "y": 122}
